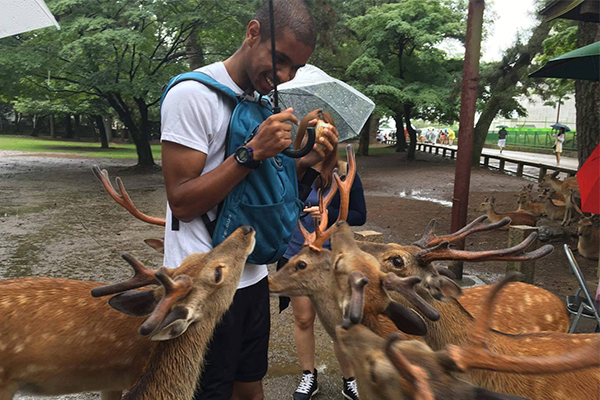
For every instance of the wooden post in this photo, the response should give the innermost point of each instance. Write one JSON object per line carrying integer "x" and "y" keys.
{"x": 369, "y": 236}
{"x": 486, "y": 161}
{"x": 501, "y": 166}
{"x": 542, "y": 173}
{"x": 516, "y": 234}
{"x": 444, "y": 152}
{"x": 520, "y": 169}
{"x": 453, "y": 154}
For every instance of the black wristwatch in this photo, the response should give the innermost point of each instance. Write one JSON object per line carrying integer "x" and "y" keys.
{"x": 244, "y": 155}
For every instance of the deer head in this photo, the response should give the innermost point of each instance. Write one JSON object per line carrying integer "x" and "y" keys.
{"x": 427, "y": 375}
{"x": 585, "y": 227}
{"x": 202, "y": 286}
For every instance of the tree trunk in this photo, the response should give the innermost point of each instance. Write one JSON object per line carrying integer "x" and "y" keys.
{"x": 193, "y": 50}
{"x": 400, "y": 138}
{"x": 52, "y": 127}
{"x": 100, "y": 125}
{"x": 108, "y": 128}
{"x": 412, "y": 134}
{"x": 142, "y": 145}
{"x": 506, "y": 87}
{"x": 69, "y": 127}
{"x": 363, "y": 138}
{"x": 587, "y": 99}
{"x": 77, "y": 126}
{"x": 36, "y": 126}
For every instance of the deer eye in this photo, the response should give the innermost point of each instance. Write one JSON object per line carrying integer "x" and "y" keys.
{"x": 218, "y": 274}
{"x": 301, "y": 265}
{"x": 397, "y": 262}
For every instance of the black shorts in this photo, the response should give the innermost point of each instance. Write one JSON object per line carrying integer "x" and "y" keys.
{"x": 240, "y": 344}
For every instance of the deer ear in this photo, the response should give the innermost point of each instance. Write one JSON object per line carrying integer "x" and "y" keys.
{"x": 406, "y": 319}
{"x": 555, "y": 174}
{"x": 449, "y": 288}
{"x": 156, "y": 244}
{"x": 482, "y": 394}
{"x": 136, "y": 303}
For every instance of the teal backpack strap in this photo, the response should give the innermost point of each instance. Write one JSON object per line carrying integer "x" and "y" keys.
{"x": 219, "y": 87}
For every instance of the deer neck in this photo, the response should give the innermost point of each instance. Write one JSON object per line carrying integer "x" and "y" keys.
{"x": 175, "y": 365}
{"x": 453, "y": 326}
{"x": 326, "y": 304}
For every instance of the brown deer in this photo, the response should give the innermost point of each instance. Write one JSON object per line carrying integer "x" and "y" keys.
{"x": 455, "y": 325}
{"x": 55, "y": 338}
{"x": 526, "y": 204}
{"x": 520, "y": 298}
{"x": 407, "y": 369}
{"x": 521, "y": 217}
{"x": 563, "y": 187}
{"x": 553, "y": 211}
{"x": 588, "y": 244}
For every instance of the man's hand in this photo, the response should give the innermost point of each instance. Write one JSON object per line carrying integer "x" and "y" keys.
{"x": 324, "y": 146}
{"x": 274, "y": 135}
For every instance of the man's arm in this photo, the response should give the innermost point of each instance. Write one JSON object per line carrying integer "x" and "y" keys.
{"x": 192, "y": 194}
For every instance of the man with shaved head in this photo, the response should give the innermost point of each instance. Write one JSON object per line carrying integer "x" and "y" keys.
{"x": 195, "y": 119}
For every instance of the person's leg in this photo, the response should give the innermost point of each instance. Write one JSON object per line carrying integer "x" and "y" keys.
{"x": 247, "y": 391}
{"x": 304, "y": 334}
{"x": 557, "y": 158}
{"x": 253, "y": 357}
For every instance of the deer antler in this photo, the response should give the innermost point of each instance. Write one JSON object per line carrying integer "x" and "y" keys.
{"x": 475, "y": 355}
{"x": 412, "y": 373}
{"x": 123, "y": 199}
{"x": 321, "y": 235}
{"x": 429, "y": 238}
{"x": 174, "y": 290}
{"x": 515, "y": 253}
{"x": 143, "y": 277}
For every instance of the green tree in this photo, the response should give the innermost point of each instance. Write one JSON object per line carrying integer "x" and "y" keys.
{"x": 123, "y": 52}
{"x": 401, "y": 68}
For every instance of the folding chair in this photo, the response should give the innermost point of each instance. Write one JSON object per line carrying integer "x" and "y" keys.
{"x": 577, "y": 305}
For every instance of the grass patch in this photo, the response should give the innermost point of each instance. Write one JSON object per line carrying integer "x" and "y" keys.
{"x": 84, "y": 149}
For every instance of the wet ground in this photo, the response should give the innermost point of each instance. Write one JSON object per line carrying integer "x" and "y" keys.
{"x": 56, "y": 220}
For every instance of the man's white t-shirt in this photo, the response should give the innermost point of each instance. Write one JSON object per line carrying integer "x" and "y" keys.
{"x": 197, "y": 117}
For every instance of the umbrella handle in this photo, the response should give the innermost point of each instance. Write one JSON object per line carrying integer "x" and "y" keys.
{"x": 306, "y": 149}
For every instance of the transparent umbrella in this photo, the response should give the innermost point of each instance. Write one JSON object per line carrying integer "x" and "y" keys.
{"x": 20, "y": 16}
{"x": 312, "y": 88}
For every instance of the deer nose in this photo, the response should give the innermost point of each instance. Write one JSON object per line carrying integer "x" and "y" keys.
{"x": 247, "y": 229}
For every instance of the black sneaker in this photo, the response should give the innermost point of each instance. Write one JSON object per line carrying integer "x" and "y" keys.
{"x": 308, "y": 387}
{"x": 350, "y": 391}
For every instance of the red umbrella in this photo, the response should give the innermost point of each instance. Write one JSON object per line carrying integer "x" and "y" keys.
{"x": 588, "y": 178}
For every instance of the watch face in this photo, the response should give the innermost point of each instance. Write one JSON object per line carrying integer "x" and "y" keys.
{"x": 242, "y": 154}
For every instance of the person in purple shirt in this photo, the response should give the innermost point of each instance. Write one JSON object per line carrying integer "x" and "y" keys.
{"x": 304, "y": 312}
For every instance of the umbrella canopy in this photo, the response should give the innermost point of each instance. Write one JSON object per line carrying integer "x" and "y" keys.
{"x": 502, "y": 126}
{"x": 583, "y": 63}
{"x": 588, "y": 178}
{"x": 312, "y": 88}
{"x": 20, "y": 16}
{"x": 558, "y": 126}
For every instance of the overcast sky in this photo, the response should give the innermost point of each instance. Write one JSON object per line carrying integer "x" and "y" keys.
{"x": 512, "y": 16}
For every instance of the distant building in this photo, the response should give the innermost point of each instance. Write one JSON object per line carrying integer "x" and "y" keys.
{"x": 539, "y": 115}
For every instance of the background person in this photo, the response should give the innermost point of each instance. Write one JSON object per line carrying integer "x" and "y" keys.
{"x": 198, "y": 177}
{"x": 558, "y": 143}
{"x": 502, "y": 139}
{"x": 304, "y": 312}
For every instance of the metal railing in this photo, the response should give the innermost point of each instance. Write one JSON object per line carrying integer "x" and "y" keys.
{"x": 533, "y": 138}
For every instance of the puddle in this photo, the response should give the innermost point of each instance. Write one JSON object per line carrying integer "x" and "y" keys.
{"x": 422, "y": 196}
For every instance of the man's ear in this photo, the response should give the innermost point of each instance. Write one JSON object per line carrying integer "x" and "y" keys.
{"x": 253, "y": 32}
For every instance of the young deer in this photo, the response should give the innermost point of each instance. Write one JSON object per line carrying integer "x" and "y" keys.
{"x": 406, "y": 369}
{"x": 455, "y": 326}
{"x": 526, "y": 204}
{"x": 563, "y": 187}
{"x": 43, "y": 317}
{"x": 589, "y": 239}
{"x": 552, "y": 210}
{"x": 521, "y": 217}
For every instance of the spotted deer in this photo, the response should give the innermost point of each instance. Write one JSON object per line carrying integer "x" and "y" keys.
{"x": 520, "y": 298}
{"x": 520, "y": 217}
{"x": 563, "y": 187}
{"x": 455, "y": 326}
{"x": 525, "y": 202}
{"x": 553, "y": 211}
{"x": 55, "y": 338}
{"x": 408, "y": 369}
